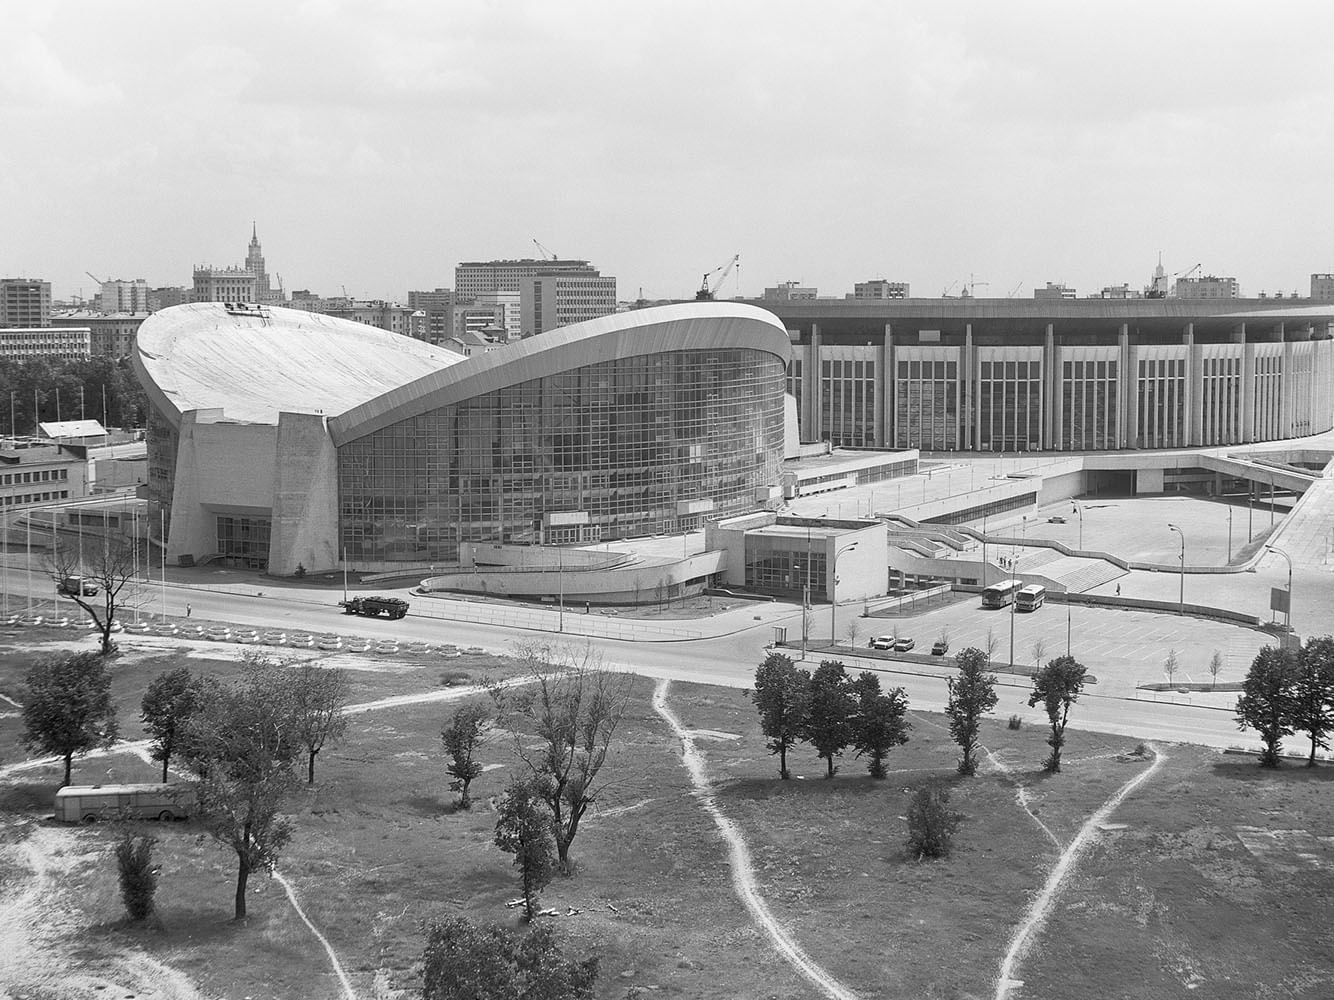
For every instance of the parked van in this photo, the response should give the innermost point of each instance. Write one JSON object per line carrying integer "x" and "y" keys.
{"x": 90, "y": 803}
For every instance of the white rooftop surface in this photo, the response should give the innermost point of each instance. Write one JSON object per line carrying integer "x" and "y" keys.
{"x": 254, "y": 366}
{"x": 71, "y": 428}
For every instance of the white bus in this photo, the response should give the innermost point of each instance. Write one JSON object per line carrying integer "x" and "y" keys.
{"x": 1000, "y": 595}
{"x": 1030, "y": 598}
{"x": 90, "y": 803}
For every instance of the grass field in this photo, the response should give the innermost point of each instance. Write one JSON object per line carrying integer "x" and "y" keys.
{"x": 1217, "y": 881}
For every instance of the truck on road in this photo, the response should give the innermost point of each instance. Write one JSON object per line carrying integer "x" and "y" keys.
{"x": 375, "y": 607}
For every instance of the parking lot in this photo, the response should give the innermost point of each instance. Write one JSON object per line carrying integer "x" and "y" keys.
{"x": 1124, "y": 649}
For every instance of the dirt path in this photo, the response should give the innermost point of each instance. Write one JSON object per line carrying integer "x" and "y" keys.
{"x": 1021, "y": 795}
{"x": 348, "y": 991}
{"x": 1041, "y": 906}
{"x": 743, "y": 872}
{"x": 37, "y": 922}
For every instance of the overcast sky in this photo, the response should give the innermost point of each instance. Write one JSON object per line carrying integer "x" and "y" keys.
{"x": 378, "y": 144}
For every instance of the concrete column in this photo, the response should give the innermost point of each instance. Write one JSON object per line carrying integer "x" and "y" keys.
{"x": 968, "y": 389}
{"x": 888, "y": 388}
{"x": 1125, "y": 387}
{"x": 1050, "y": 382}
{"x": 1194, "y": 388}
{"x": 816, "y": 390}
{"x": 1248, "y": 393}
{"x": 1286, "y": 387}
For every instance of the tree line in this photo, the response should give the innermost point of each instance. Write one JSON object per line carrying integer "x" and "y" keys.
{"x": 1288, "y": 691}
{"x": 243, "y": 742}
{"x": 56, "y": 386}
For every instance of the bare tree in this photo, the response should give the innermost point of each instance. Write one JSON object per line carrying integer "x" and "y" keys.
{"x": 106, "y": 569}
{"x": 852, "y": 630}
{"x": 319, "y": 695}
{"x": 993, "y": 641}
{"x": 1170, "y": 665}
{"x": 573, "y": 706}
{"x": 1215, "y": 667}
{"x": 1038, "y": 648}
{"x": 945, "y": 636}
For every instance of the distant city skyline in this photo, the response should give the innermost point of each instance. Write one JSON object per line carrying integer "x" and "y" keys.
{"x": 1002, "y": 146}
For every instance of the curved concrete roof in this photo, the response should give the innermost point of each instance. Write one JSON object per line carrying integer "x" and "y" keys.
{"x": 204, "y": 356}
{"x": 681, "y": 327}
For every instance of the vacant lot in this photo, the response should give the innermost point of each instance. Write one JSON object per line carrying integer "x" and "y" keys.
{"x": 1216, "y": 881}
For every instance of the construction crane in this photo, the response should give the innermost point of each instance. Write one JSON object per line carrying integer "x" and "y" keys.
{"x": 1015, "y": 290}
{"x": 707, "y": 291}
{"x": 973, "y": 283}
{"x": 546, "y": 254}
{"x": 99, "y": 281}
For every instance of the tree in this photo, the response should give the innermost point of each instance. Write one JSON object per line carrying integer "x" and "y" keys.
{"x": 574, "y": 706}
{"x": 1268, "y": 699}
{"x": 1215, "y": 668}
{"x": 463, "y": 961}
{"x": 782, "y": 696}
{"x": 319, "y": 695}
{"x": 1313, "y": 694}
{"x": 524, "y": 829}
{"x": 931, "y": 822}
{"x": 972, "y": 694}
{"x": 67, "y": 707}
{"x": 1170, "y": 665}
{"x": 136, "y": 874}
{"x": 829, "y": 717}
{"x": 462, "y": 738}
{"x": 993, "y": 640}
{"x": 108, "y": 563}
{"x": 170, "y": 701}
{"x": 1057, "y": 686}
{"x": 1038, "y": 649}
{"x": 244, "y": 746}
{"x": 880, "y": 722}
{"x": 852, "y": 630}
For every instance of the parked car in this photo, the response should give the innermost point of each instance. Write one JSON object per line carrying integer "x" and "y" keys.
{"x": 882, "y": 642}
{"x": 1056, "y": 519}
{"x": 903, "y": 643}
{"x": 941, "y": 647}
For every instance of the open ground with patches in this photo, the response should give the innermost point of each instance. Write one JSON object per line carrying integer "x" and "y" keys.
{"x": 1212, "y": 875}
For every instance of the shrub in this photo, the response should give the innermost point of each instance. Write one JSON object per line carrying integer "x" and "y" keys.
{"x": 1015, "y": 722}
{"x": 138, "y": 877}
{"x": 931, "y": 822}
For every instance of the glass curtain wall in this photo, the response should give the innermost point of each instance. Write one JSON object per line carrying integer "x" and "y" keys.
{"x": 629, "y": 443}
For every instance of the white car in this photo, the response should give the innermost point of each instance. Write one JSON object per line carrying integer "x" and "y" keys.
{"x": 882, "y": 642}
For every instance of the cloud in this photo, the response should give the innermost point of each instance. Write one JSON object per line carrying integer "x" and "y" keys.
{"x": 33, "y": 77}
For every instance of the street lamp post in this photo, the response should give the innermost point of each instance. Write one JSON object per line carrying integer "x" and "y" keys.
{"x": 560, "y": 587}
{"x": 833, "y": 595}
{"x": 1287, "y": 616}
{"x": 1229, "y": 533}
{"x": 1181, "y": 598}
{"x": 1079, "y": 509}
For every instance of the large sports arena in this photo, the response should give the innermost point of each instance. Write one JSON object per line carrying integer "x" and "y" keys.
{"x": 289, "y": 440}
{"x": 1006, "y": 375}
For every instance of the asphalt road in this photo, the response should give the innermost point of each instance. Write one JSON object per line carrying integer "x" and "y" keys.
{"x": 728, "y": 659}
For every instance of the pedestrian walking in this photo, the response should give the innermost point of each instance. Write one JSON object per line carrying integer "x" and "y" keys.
{"x": 188, "y": 609}
{"x": 1118, "y": 590}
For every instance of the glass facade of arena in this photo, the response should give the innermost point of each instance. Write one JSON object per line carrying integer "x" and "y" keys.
{"x": 624, "y": 448}
{"x": 162, "y": 442}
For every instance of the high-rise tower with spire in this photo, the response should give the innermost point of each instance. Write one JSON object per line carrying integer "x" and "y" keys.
{"x": 254, "y": 263}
